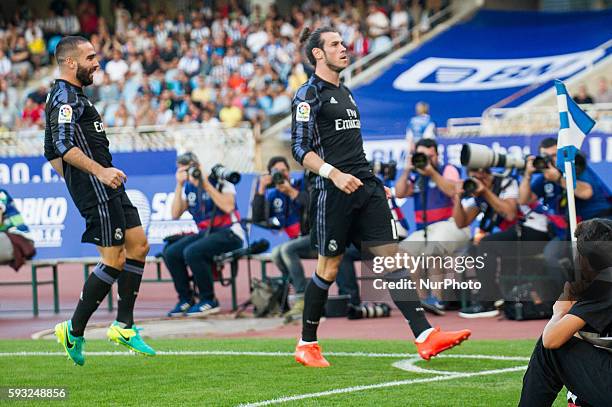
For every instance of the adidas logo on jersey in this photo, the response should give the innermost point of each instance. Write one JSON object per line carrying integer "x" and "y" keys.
{"x": 333, "y": 101}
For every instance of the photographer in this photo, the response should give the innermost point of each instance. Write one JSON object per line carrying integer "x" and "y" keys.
{"x": 280, "y": 199}
{"x": 544, "y": 193}
{"x": 575, "y": 348}
{"x": 496, "y": 197}
{"x": 285, "y": 203}
{"x": 212, "y": 203}
{"x": 432, "y": 188}
{"x": 544, "y": 190}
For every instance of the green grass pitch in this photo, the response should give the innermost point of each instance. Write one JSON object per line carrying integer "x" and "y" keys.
{"x": 233, "y": 379}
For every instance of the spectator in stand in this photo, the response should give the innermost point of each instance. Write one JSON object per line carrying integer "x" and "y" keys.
{"x": 121, "y": 117}
{"x": 361, "y": 43}
{"x": 20, "y": 59}
{"x": 39, "y": 96}
{"x": 582, "y": 96}
{"x": 378, "y": 27}
{"x": 230, "y": 115}
{"x": 88, "y": 18}
{"x": 400, "y": 20}
{"x": 208, "y": 119}
{"x": 189, "y": 63}
{"x": 5, "y": 64}
{"x": 604, "y": 92}
{"x": 168, "y": 55}
{"x": 68, "y": 23}
{"x": 150, "y": 64}
{"x": 108, "y": 92}
{"x": 31, "y": 117}
{"x": 297, "y": 78}
{"x": 8, "y": 113}
{"x": 117, "y": 67}
{"x": 252, "y": 54}
{"x": 35, "y": 42}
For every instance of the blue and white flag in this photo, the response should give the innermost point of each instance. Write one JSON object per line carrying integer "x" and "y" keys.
{"x": 575, "y": 124}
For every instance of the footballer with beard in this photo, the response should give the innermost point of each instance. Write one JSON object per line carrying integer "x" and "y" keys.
{"x": 78, "y": 149}
{"x": 348, "y": 202}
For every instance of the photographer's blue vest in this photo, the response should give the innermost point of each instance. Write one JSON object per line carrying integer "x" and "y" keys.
{"x": 202, "y": 208}
{"x": 438, "y": 206}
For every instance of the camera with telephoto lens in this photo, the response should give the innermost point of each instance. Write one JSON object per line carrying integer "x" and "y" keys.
{"x": 369, "y": 310}
{"x": 388, "y": 171}
{"x": 420, "y": 160}
{"x": 481, "y": 156}
{"x": 220, "y": 172}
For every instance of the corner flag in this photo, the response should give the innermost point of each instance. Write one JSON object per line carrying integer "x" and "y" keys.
{"x": 575, "y": 124}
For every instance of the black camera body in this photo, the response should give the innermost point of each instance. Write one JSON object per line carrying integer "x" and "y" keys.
{"x": 469, "y": 187}
{"x": 420, "y": 160}
{"x": 388, "y": 171}
{"x": 194, "y": 172}
{"x": 541, "y": 163}
{"x": 220, "y": 172}
{"x": 277, "y": 178}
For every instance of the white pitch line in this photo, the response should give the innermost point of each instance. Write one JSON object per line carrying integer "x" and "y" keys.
{"x": 382, "y": 385}
{"x": 283, "y": 354}
{"x": 408, "y": 365}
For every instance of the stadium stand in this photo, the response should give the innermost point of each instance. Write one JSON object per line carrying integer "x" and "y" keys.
{"x": 212, "y": 66}
{"x": 516, "y": 52}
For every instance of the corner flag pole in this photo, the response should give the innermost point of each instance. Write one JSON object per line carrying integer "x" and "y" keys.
{"x": 574, "y": 125}
{"x": 570, "y": 169}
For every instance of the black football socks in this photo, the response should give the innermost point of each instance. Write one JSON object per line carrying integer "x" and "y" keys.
{"x": 96, "y": 287}
{"x": 128, "y": 285}
{"x": 315, "y": 297}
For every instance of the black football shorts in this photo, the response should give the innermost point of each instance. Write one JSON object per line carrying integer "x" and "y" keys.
{"x": 338, "y": 219}
{"x": 106, "y": 223}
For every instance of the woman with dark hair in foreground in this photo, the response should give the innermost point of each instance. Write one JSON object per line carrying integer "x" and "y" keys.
{"x": 575, "y": 349}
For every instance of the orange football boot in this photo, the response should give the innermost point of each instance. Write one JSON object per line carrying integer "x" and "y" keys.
{"x": 310, "y": 355}
{"x": 439, "y": 341}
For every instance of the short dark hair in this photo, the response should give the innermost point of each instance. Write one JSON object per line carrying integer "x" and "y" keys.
{"x": 67, "y": 46}
{"x": 311, "y": 40}
{"x": 275, "y": 160}
{"x": 594, "y": 241}
{"x": 427, "y": 143}
{"x": 548, "y": 142}
{"x": 187, "y": 158}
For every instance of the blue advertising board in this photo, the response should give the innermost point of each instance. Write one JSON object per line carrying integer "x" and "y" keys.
{"x": 57, "y": 226}
{"x": 47, "y": 208}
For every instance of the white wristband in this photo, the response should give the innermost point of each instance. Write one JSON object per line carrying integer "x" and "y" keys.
{"x": 325, "y": 170}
